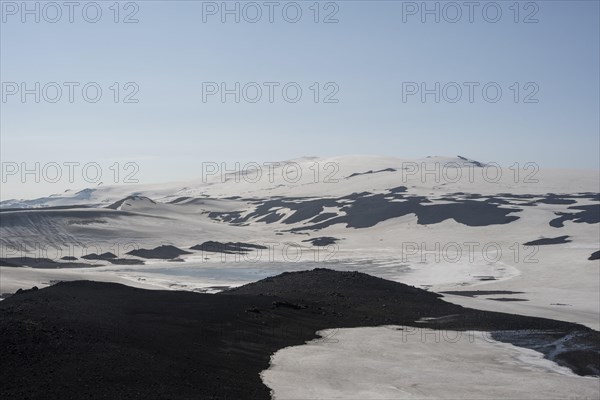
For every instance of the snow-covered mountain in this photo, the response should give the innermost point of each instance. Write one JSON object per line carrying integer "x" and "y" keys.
{"x": 307, "y": 196}
{"x": 336, "y": 176}
{"x": 438, "y": 222}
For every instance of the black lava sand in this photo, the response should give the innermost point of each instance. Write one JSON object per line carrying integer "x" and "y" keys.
{"x": 80, "y": 340}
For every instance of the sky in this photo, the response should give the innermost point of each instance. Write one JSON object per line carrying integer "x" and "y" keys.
{"x": 497, "y": 82}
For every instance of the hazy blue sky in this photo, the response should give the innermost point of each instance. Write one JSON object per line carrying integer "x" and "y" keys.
{"x": 370, "y": 54}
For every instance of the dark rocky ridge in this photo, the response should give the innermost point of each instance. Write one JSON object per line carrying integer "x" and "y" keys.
{"x": 322, "y": 241}
{"x": 370, "y": 172}
{"x": 117, "y": 204}
{"x": 104, "y": 256}
{"x": 589, "y": 214}
{"x": 40, "y": 262}
{"x": 165, "y": 252}
{"x": 227, "y": 248}
{"x": 366, "y": 209}
{"x": 100, "y": 340}
{"x": 548, "y": 241}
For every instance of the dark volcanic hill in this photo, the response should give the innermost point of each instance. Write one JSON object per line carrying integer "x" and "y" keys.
{"x": 84, "y": 339}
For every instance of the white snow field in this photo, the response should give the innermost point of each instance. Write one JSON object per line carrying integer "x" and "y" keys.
{"x": 441, "y": 223}
{"x": 389, "y": 363}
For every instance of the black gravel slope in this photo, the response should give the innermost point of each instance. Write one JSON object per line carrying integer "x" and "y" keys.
{"x": 80, "y": 340}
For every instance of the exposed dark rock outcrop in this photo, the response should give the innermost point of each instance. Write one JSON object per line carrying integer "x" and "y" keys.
{"x": 322, "y": 241}
{"x": 104, "y": 256}
{"x": 227, "y": 248}
{"x": 165, "y": 252}
{"x": 548, "y": 241}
